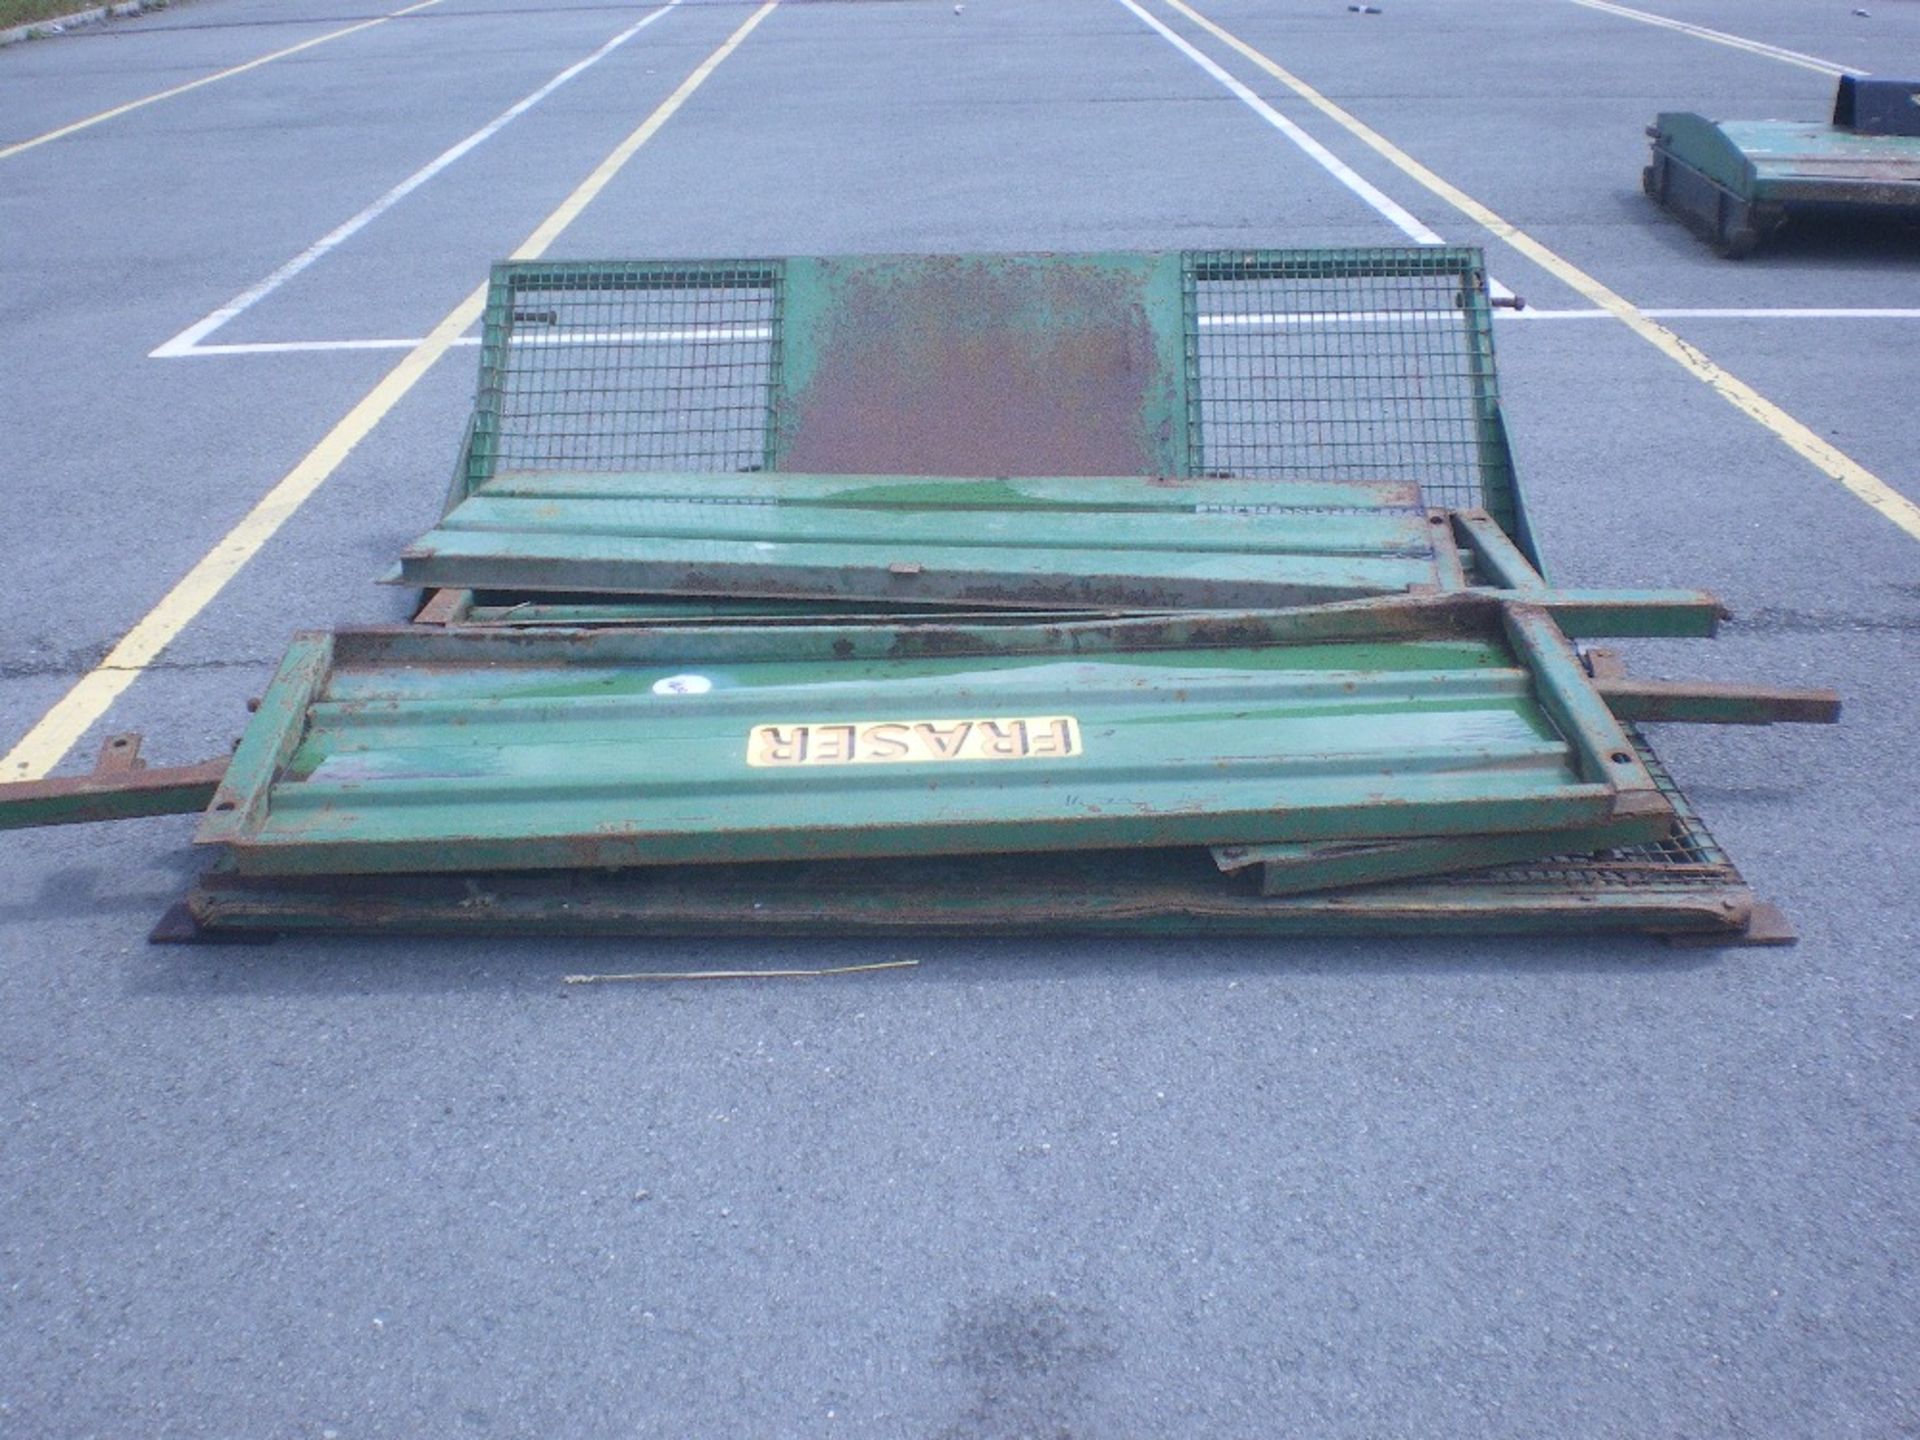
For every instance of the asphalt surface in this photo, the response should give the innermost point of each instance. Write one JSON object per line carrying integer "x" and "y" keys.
{"x": 397, "y": 1187}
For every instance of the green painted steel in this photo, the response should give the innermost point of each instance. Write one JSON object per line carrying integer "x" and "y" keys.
{"x": 1350, "y": 363}
{"x": 125, "y": 795}
{"x": 1495, "y": 561}
{"x": 1793, "y": 161}
{"x": 626, "y": 364}
{"x": 1708, "y": 703}
{"x": 1681, "y": 885}
{"x": 1033, "y": 544}
{"x": 975, "y": 490}
{"x": 403, "y": 750}
{"x": 1356, "y": 364}
{"x": 1736, "y": 182}
{"x": 1579, "y": 614}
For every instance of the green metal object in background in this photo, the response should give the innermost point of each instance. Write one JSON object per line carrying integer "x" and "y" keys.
{"x": 401, "y": 750}
{"x": 121, "y": 787}
{"x": 1736, "y": 182}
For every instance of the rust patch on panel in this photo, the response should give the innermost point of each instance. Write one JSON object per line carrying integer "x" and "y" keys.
{"x": 956, "y": 366}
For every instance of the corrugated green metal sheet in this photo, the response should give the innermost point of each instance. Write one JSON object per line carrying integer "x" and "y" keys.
{"x": 1033, "y": 543}
{"x": 397, "y": 750}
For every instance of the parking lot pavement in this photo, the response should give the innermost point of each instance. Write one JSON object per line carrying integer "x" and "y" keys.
{"x": 400, "y": 1186}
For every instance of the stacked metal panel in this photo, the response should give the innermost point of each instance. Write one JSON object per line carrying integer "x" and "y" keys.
{"x": 1151, "y": 592}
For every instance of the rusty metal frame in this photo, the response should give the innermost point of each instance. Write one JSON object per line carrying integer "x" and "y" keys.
{"x": 121, "y": 786}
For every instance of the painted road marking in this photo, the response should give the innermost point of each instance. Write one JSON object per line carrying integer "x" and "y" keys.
{"x": 1401, "y": 218}
{"x": 1395, "y": 213}
{"x": 187, "y": 339}
{"x": 226, "y": 74}
{"x": 1721, "y": 37}
{"x": 1854, "y": 477}
{"x": 1452, "y": 317}
{"x": 62, "y": 727}
{"x": 1804, "y": 313}
{"x": 748, "y": 332}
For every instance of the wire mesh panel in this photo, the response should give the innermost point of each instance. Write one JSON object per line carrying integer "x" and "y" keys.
{"x": 643, "y": 365}
{"x": 1688, "y": 857}
{"x": 1347, "y": 364}
{"x": 1333, "y": 364}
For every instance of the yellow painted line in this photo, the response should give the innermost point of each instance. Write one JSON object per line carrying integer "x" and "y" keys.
{"x": 44, "y": 746}
{"x": 1858, "y": 481}
{"x": 226, "y": 74}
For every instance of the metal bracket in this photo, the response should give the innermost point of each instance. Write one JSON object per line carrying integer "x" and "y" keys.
{"x": 121, "y": 787}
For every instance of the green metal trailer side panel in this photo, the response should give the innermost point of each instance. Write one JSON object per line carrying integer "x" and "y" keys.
{"x": 1706, "y": 147}
{"x": 1143, "y": 544}
{"x": 1736, "y": 182}
{"x": 1266, "y": 365}
{"x": 1580, "y": 614}
{"x": 504, "y": 750}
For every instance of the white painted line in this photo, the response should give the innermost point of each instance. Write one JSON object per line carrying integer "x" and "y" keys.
{"x": 185, "y": 342}
{"x": 1446, "y": 317}
{"x": 1729, "y": 314}
{"x": 535, "y": 338}
{"x": 1721, "y": 37}
{"x": 1362, "y": 317}
{"x": 295, "y": 347}
{"x": 695, "y": 334}
{"x": 1333, "y": 317}
{"x": 1402, "y": 219}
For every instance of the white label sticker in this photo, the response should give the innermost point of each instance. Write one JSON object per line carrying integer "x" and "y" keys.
{"x": 683, "y": 685}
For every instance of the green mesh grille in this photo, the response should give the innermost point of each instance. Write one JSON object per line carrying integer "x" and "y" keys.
{"x": 642, "y": 365}
{"x": 1347, "y": 364}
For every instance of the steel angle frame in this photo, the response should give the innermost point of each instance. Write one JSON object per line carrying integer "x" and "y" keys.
{"x": 408, "y": 749}
{"x": 1386, "y": 358}
{"x": 121, "y": 786}
{"x": 1470, "y": 551}
{"x": 1736, "y": 182}
{"x": 1300, "y": 869}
